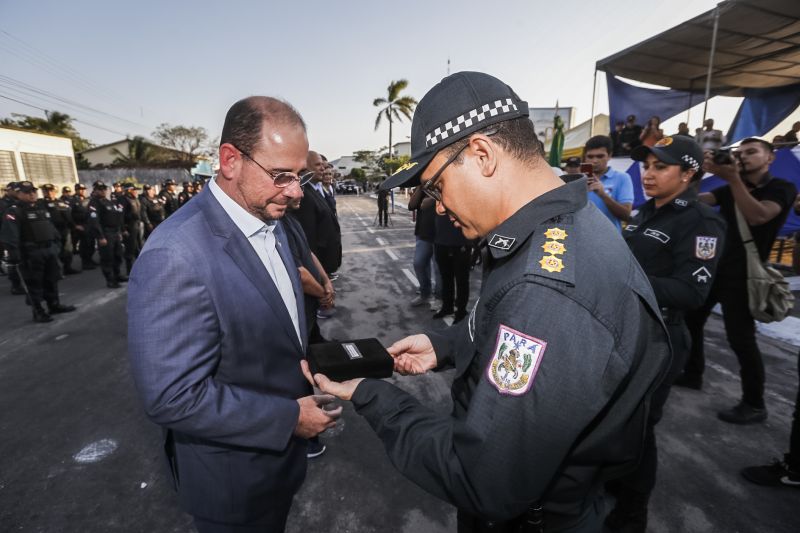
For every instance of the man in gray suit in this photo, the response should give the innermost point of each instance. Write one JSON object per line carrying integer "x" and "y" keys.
{"x": 216, "y": 331}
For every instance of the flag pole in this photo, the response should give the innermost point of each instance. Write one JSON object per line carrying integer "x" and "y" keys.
{"x": 594, "y": 92}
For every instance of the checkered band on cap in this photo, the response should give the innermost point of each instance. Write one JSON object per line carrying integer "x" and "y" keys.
{"x": 691, "y": 161}
{"x": 498, "y": 107}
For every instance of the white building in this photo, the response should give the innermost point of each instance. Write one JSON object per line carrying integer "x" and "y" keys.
{"x": 37, "y": 157}
{"x": 402, "y": 148}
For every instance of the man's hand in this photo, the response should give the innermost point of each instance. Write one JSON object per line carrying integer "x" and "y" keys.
{"x": 79, "y": 227}
{"x": 343, "y": 390}
{"x": 596, "y": 186}
{"x": 313, "y": 419}
{"x": 729, "y": 172}
{"x": 102, "y": 241}
{"x": 413, "y": 355}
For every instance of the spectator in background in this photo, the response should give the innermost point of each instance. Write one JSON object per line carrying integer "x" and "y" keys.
{"x": 424, "y": 209}
{"x": 610, "y": 190}
{"x": 616, "y": 140}
{"x": 683, "y": 129}
{"x": 708, "y": 137}
{"x": 764, "y": 201}
{"x": 791, "y": 135}
{"x": 573, "y": 165}
{"x": 453, "y": 254}
{"x": 629, "y": 136}
{"x": 383, "y": 207}
{"x": 652, "y": 133}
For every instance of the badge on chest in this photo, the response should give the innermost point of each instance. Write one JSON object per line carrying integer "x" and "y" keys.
{"x": 515, "y": 361}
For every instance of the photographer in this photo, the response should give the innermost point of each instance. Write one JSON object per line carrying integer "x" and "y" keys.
{"x": 764, "y": 201}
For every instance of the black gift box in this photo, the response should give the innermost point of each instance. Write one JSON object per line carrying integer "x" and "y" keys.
{"x": 343, "y": 360}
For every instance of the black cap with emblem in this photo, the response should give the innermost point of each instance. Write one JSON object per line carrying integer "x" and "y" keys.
{"x": 454, "y": 108}
{"x": 677, "y": 150}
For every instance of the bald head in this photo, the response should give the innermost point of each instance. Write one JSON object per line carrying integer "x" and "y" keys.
{"x": 315, "y": 164}
{"x": 245, "y": 120}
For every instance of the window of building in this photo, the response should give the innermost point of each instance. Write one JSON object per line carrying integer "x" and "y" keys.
{"x": 48, "y": 168}
{"x": 8, "y": 167}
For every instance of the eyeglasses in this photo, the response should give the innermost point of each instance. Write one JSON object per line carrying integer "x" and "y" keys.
{"x": 428, "y": 187}
{"x": 280, "y": 179}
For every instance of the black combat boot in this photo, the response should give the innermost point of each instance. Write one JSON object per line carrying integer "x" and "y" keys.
{"x": 40, "y": 315}
{"x": 56, "y": 308}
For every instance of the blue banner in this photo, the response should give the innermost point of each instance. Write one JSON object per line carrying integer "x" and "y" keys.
{"x": 762, "y": 110}
{"x": 625, "y": 99}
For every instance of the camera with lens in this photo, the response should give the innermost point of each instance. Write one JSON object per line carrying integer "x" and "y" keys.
{"x": 723, "y": 156}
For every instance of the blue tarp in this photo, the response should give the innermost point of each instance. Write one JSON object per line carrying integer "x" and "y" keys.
{"x": 786, "y": 166}
{"x": 625, "y": 99}
{"x": 762, "y": 110}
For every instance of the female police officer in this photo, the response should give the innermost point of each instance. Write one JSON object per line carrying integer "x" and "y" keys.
{"x": 677, "y": 241}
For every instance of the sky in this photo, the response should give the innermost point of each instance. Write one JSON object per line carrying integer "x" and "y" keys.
{"x": 123, "y": 68}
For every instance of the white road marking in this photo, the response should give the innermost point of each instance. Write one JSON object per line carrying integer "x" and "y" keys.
{"x": 143, "y": 485}
{"x": 391, "y": 254}
{"x": 62, "y": 336}
{"x": 381, "y": 241}
{"x": 364, "y": 223}
{"x": 95, "y": 451}
{"x": 411, "y": 277}
{"x": 370, "y": 230}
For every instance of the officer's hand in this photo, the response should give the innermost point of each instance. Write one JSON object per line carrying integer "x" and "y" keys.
{"x": 314, "y": 418}
{"x": 102, "y": 242}
{"x": 413, "y": 355}
{"x": 343, "y": 390}
{"x": 78, "y": 227}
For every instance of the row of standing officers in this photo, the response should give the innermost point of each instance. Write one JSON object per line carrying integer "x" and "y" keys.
{"x": 40, "y": 236}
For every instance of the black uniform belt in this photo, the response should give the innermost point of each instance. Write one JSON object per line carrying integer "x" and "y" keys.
{"x": 671, "y": 316}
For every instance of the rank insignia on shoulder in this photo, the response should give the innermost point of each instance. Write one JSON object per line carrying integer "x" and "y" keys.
{"x": 705, "y": 247}
{"x": 701, "y": 275}
{"x": 501, "y": 243}
{"x": 515, "y": 361}
{"x": 554, "y": 247}
{"x": 551, "y": 263}
{"x": 557, "y": 234}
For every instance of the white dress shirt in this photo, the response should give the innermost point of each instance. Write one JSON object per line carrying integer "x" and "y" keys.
{"x": 261, "y": 237}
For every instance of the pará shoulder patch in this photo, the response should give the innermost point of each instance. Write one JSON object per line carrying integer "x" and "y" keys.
{"x": 705, "y": 247}
{"x": 515, "y": 361}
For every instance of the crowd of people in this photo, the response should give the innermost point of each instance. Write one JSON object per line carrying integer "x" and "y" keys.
{"x": 40, "y": 237}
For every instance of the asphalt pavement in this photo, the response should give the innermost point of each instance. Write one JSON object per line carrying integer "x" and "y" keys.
{"x": 78, "y": 455}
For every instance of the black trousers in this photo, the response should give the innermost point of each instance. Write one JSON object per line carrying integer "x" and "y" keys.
{"x": 588, "y": 521}
{"x": 453, "y": 263}
{"x": 134, "y": 240}
{"x": 634, "y": 489}
{"x": 40, "y": 271}
{"x": 383, "y": 214}
{"x": 85, "y": 244}
{"x": 740, "y": 329}
{"x": 111, "y": 256}
{"x": 793, "y": 458}
{"x": 65, "y": 254}
{"x": 272, "y": 521}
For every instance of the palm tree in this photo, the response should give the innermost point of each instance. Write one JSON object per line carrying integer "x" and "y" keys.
{"x": 140, "y": 154}
{"x": 393, "y": 105}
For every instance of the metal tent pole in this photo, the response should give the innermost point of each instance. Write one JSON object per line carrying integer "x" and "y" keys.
{"x": 594, "y": 92}
{"x": 711, "y": 60}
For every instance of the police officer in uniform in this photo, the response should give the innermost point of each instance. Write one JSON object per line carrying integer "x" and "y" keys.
{"x": 106, "y": 222}
{"x": 6, "y": 202}
{"x": 117, "y": 191}
{"x": 555, "y": 364}
{"x": 186, "y": 194}
{"x": 135, "y": 221}
{"x": 153, "y": 207}
{"x": 61, "y": 217}
{"x": 81, "y": 237}
{"x": 32, "y": 242}
{"x": 678, "y": 241}
{"x": 167, "y": 193}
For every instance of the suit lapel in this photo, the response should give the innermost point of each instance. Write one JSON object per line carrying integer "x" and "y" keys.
{"x": 241, "y": 252}
{"x": 294, "y": 275}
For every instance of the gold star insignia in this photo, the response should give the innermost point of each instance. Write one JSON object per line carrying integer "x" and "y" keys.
{"x": 554, "y": 247}
{"x": 551, "y": 263}
{"x": 557, "y": 234}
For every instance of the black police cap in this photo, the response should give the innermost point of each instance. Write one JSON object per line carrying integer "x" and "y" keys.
{"x": 677, "y": 150}
{"x": 453, "y": 109}
{"x": 99, "y": 185}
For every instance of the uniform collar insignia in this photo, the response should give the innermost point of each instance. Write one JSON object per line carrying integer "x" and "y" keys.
{"x": 501, "y": 242}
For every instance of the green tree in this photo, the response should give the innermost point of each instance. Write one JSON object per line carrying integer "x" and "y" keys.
{"x": 393, "y": 106}
{"x": 140, "y": 154}
{"x": 390, "y": 164}
{"x": 191, "y": 141}
{"x": 55, "y": 122}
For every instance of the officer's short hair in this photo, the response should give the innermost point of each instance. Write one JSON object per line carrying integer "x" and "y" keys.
{"x": 246, "y": 117}
{"x": 599, "y": 141}
{"x": 517, "y": 137}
